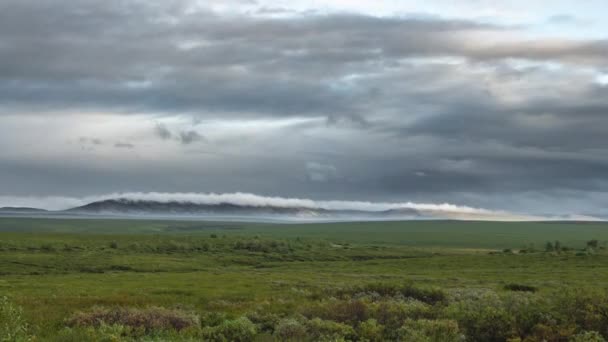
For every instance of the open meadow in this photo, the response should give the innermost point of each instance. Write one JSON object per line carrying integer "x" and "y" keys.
{"x": 115, "y": 280}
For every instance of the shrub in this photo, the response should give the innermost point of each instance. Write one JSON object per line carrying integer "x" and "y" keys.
{"x": 427, "y": 295}
{"x": 322, "y": 330}
{"x": 483, "y": 318}
{"x": 430, "y": 331}
{"x": 526, "y": 310}
{"x": 552, "y": 332}
{"x": 588, "y": 336}
{"x": 265, "y": 321}
{"x": 13, "y": 326}
{"x": 47, "y": 247}
{"x": 520, "y": 287}
{"x": 116, "y": 333}
{"x": 237, "y": 330}
{"x": 393, "y": 314}
{"x": 101, "y": 333}
{"x": 213, "y": 318}
{"x": 587, "y": 309}
{"x": 149, "y": 319}
{"x": 371, "y": 331}
{"x": 289, "y": 329}
{"x": 343, "y": 311}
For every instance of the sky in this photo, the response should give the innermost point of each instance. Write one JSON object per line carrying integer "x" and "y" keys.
{"x": 484, "y": 104}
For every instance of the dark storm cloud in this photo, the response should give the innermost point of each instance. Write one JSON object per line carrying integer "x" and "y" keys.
{"x": 151, "y": 56}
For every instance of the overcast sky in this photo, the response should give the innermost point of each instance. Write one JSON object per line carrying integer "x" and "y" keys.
{"x": 493, "y": 104}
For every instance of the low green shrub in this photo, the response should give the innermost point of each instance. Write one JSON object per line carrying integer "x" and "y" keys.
{"x": 526, "y": 309}
{"x": 371, "y": 331}
{"x": 343, "y": 311}
{"x": 587, "y": 310}
{"x": 483, "y": 319}
{"x": 323, "y": 330}
{"x": 520, "y": 287}
{"x": 13, "y": 326}
{"x": 236, "y": 330}
{"x": 265, "y": 321}
{"x": 290, "y": 329}
{"x": 117, "y": 333}
{"x": 393, "y": 314}
{"x": 147, "y": 319}
{"x": 430, "y": 331}
{"x": 588, "y": 336}
{"x": 383, "y": 290}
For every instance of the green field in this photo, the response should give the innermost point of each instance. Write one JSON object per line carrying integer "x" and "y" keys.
{"x": 374, "y": 281}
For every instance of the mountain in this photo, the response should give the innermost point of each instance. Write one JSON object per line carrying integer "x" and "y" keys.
{"x": 20, "y": 210}
{"x": 192, "y": 210}
{"x": 123, "y": 206}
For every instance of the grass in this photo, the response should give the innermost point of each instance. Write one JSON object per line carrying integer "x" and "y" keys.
{"x": 55, "y": 268}
{"x": 453, "y": 234}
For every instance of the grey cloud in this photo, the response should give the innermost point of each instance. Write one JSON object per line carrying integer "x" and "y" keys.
{"x": 162, "y": 131}
{"x": 82, "y": 54}
{"x": 89, "y": 144}
{"x": 421, "y": 109}
{"x": 319, "y": 172}
{"x": 92, "y": 141}
{"x": 124, "y": 145}
{"x": 189, "y": 137}
{"x": 566, "y": 19}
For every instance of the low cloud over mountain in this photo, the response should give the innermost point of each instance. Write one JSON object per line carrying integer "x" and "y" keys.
{"x": 200, "y": 205}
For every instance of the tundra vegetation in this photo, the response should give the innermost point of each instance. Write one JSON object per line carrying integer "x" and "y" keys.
{"x": 127, "y": 280}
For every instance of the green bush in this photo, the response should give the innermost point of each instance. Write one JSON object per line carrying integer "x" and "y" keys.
{"x": 393, "y": 314}
{"x": 520, "y": 287}
{"x": 551, "y": 331}
{"x": 101, "y": 333}
{"x": 266, "y": 321}
{"x": 483, "y": 318}
{"x": 322, "y": 330}
{"x": 526, "y": 310}
{"x": 13, "y": 327}
{"x": 237, "y": 330}
{"x": 430, "y": 331}
{"x": 290, "y": 329}
{"x": 147, "y": 319}
{"x": 427, "y": 295}
{"x": 343, "y": 311}
{"x": 370, "y": 331}
{"x": 588, "y": 336}
{"x": 587, "y": 310}
{"x": 116, "y": 333}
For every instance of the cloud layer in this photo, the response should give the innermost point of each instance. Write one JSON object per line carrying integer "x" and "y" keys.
{"x": 498, "y": 105}
{"x": 237, "y": 198}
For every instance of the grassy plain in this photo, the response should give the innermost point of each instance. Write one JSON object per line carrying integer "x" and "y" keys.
{"x": 54, "y": 268}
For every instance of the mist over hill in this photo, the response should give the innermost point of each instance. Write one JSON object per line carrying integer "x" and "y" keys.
{"x": 135, "y": 207}
{"x": 21, "y": 210}
{"x": 244, "y": 206}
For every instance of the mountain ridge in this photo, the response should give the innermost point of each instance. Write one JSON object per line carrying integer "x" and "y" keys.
{"x": 21, "y": 210}
{"x": 127, "y": 206}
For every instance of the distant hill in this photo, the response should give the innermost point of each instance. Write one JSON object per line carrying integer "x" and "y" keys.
{"x": 21, "y": 210}
{"x": 175, "y": 208}
{"x": 192, "y": 210}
